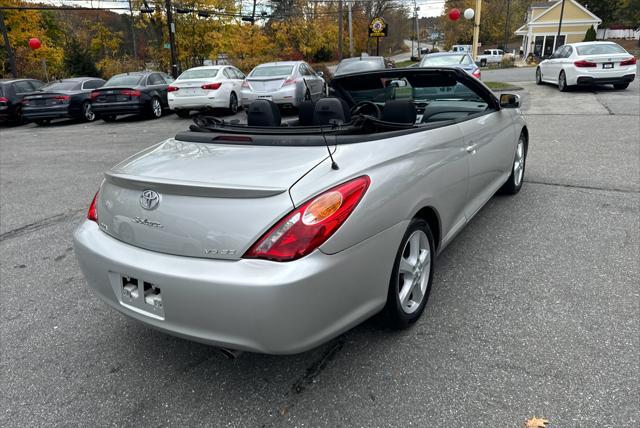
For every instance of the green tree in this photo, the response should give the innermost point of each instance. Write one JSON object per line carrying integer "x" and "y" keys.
{"x": 604, "y": 9}
{"x": 590, "y": 36}
{"x": 78, "y": 61}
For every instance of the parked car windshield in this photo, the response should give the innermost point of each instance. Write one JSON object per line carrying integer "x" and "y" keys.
{"x": 446, "y": 60}
{"x": 201, "y": 73}
{"x": 600, "y": 49}
{"x": 272, "y": 71}
{"x": 124, "y": 80}
{"x": 355, "y": 66}
{"x": 62, "y": 86}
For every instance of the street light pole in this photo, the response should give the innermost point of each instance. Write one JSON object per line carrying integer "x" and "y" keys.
{"x": 339, "y": 30}
{"x": 172, "y": 39}
{"x": 417, "y": 29}
{"x": 476, "y": 30}
{"x": 560, "y": 22}
{"x": 505, "y": 46}
{"x": 350, "y": 29}
{"x": 133, "y": 34}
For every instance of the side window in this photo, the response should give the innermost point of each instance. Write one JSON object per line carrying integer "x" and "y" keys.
{"x": 558, "y": 52}
{"x": 311, "y": 70}
{"x": 92, "y": 84}
{"x": 227, "y": 73}
{"x": 239, "y": 74}
{"x": 568, "y": 52}
{"x": 22, "y": 87}
{"x": 156, "y": 79}
{"x": 36, "y": 84}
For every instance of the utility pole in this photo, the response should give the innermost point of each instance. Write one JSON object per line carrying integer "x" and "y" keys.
{"x": 417, "y": 27}
{"x": 253, "y": 13}
{"x": 133, "y": 34}
{"x": 505, "y": 46}
{"x": 559, "y": 23}
{"x": 476, "y": 30}
{"x": 339, "y": 30}
{"x": 350, "y": 29}
{"x": 172, "y": 39}
{"x": 7, "y": 46}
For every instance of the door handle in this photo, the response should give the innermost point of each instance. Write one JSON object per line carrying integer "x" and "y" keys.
{"x": 471, "y": 148}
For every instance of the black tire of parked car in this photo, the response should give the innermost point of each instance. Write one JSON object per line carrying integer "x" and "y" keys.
{"x": 233, "y": 103}
{"x": 621, "y": 85}
{"x": 539, "y": 76}
{"x": 86, "y": 112}
{"x": 393, "y": 314}
{"x": 154, "y": 112}
{"x": 562, "y": 82}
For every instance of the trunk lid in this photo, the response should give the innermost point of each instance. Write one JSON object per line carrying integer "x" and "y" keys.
{"x": 111, "y": 94}
{"x": 266, "y": 84}
{"x": 213, "y": 200}
{"x": 45, "y": 99}
{"x": 191, "y": 87}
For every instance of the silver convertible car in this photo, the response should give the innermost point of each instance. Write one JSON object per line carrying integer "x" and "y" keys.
{"x": 275, "y": 237}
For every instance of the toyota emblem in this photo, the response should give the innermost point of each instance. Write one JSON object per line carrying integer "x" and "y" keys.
{"x": 149, "y": 199}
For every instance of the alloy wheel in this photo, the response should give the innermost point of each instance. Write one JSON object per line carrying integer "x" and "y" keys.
{"x": 233, "y": 104}
{"x": 562, "y": 82}
{"x": 414, "y": 271}
{"x": 156, "y": 107}
{"x": 518, "y": 164}
{"x": 88, "y": 113}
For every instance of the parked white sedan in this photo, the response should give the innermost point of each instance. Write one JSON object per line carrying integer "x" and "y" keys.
{"x": 203, "y": 88}
{"x": 588, "y": 63}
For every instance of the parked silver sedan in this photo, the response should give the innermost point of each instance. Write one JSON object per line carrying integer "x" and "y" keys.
{"x": 275, "y": 239}
{"x": 286, "y": 83}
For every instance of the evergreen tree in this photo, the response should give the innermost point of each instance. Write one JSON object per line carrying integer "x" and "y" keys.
{"x": 590, "y": 36}
{"x": 78, "y": 61}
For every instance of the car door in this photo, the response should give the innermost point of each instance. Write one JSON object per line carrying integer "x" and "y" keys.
{"x": 238, "y": 78}
{"x": 489, "y": 140}
{"x": 157, "y": 84}
{"x": 314, "y": 81}
{"x": 551, "y": 68}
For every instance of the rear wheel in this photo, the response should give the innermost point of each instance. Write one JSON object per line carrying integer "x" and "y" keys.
{"x": 562, "y": 82}
{"x": 183, "y": 113}
{"x": 108, "y": 117}
{"x": 87, "y": 112}
{"x": 621, "y": 85}
{"x": 233, "y": 103}
{"x": 538, "y": 76}
{"x": 42, "y": 122}
{"x": 411, "y": 276}
{"x": 155, "y": 108}
{"x": 514, "y": 183}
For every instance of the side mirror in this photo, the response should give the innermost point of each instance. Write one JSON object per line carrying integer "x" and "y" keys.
{"x": 509, "y": 101}
{"x": 397, "y": 84}
{"x": 320, "y": 74}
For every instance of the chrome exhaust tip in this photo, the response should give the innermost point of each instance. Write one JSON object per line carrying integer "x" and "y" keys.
{"x": 231, "y": 354}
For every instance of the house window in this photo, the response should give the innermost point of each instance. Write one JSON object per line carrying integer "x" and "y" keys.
{"x": 548, "y": 45}
{"x": 537, "y": 47}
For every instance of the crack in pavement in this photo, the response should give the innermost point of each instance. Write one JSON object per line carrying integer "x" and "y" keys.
{"x": 575, "y": 186}
{"x": 35, "y": 226}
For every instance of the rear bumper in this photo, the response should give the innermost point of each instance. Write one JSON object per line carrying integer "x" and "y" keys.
{"x": 285, "y": 97}
{"x": 34, "y": 113}
{"x": 254, "y": 305}
{"x": 197, "y": 102}
{"x": 119, "y": 108}
{"x": 588, "y": 80}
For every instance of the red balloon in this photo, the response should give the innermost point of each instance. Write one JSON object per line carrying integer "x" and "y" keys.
{"x": 34, "y": 43}
{"x": 454, "y": 14}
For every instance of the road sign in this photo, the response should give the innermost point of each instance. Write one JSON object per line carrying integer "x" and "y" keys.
{"x": 377, "y": 27}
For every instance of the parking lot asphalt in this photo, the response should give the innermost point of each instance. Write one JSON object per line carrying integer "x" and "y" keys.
{"x": 534, "y": 311}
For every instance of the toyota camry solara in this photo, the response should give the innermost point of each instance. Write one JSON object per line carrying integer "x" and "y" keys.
{"x": 275, "y": 237}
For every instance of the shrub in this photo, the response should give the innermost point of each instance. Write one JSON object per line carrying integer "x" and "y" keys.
{"x": 590, "y": 35}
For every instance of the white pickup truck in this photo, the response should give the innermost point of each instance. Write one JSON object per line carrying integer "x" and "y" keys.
{"x": 490, "y": 56}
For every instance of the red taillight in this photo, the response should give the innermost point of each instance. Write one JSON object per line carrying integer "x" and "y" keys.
{"x": 211, "y": 86}
{"x": 94, "y": 95}
{"x": 92, "y": 214}
{"x": 630, "y": 61}
{"x": 310, "y": 225}
{"x": 130, "y": 92}
{"x": 289, "y": 81}
{"x": 583, "y": 63}
{"x": 4, "y": 100}
{"x": 172, "y": 88}
{"x": 62, "y": 97}
{"x": 476, "y": 74}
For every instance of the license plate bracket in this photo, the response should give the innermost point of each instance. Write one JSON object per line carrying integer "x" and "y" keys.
{"x": 607, "y": 65}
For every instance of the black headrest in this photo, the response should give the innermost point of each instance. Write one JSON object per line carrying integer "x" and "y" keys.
{"x": 263, "y": 113}
{"x": 399, "y": 111}
{"x": 305, "y": 113}
{"x": 328, "y": 110}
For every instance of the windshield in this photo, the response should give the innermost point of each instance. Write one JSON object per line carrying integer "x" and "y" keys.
{"x": 272, "y": 71}
{"x": 62, "y": 86}
{"x": 600, "y": 49}
{"x": 446, "y": 60}
{"x": 199, "y": 73}
{"x": 360, "y": 65}
{"x": 125, "y": 80}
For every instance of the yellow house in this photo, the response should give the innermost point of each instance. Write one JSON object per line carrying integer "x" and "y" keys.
{"x": 540, "y": 31}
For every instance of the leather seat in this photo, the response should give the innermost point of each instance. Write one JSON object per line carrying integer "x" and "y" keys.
{"x": 331, "y": 110}
{"x": 399, "y": 111}
{"x": 263, "y": 113}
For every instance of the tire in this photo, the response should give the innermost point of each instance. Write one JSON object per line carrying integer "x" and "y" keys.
{"x": 42, "y": 122}
{"x": 86, "y": 112}
{"x": 155, "y": 108}
{"x": 185, "y": 114}
{"x": 562, "y": 82}
{"x": 539, "y": 76}
{"x": 108, "y": 117}
{"x": 621, "y": 85}
{"x": 514, "y": 183}
{"x": 233, "y": 103}
{"x": 17, "y": 116}
{"x": 417, "y": 244}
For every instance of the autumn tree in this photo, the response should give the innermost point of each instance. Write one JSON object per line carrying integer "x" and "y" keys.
{"x": 78, "y": 61}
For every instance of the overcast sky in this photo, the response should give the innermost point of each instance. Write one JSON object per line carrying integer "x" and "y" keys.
{"x": 427, "y": 7}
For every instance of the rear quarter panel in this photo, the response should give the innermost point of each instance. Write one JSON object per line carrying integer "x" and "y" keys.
{"x": 407, "y": 173}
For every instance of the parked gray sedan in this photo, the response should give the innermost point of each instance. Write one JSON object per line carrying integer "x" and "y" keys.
{"x": 286, "y": 83}
{"x": 274, "y": 238}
